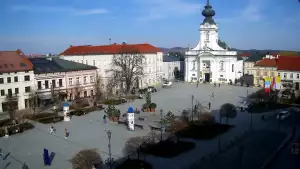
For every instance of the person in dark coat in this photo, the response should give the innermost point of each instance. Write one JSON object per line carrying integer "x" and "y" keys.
{"x": 209, "y": 104}
{"x": 104, "y": 119}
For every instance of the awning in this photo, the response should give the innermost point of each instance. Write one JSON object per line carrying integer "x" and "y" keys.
{"x": 45, "y": 97}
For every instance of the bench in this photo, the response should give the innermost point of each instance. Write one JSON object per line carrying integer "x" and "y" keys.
{"x": 139, "y": 126}
{"x": 155, "y": 128}
{"x": 122, "y": 122}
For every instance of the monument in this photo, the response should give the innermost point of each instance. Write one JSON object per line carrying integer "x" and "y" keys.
{"x": 130, "y": 119}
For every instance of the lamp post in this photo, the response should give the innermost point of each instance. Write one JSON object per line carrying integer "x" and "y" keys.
{"x": 193, "y": 107}
{"x": 161, "y": 127}
{"x": 108, "y": 132}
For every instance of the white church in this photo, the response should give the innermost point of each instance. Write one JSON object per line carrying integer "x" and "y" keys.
{"x": 211, "y": 61}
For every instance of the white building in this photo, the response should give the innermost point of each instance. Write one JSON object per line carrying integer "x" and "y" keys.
{"x": 101, "y": 57}
{"x": 171, "y": 67}
{"x": 64, "y": 77}
{"x": 289, "y": 71}
{"x": 16, "y": 78}
{"x": 211, "y": 60}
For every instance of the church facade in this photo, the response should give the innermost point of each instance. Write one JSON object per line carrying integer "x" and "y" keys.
{"x": 211, "y": 60}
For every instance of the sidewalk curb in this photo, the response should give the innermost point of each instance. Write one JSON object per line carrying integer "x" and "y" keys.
{"x": 277, "y": 151}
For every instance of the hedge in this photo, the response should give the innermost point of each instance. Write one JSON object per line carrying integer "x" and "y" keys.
{"x": 112, "y": 101}
{"x": 39, "y": 116}
{"x": 21, "y": 127}
{"x": 51, "y": 119}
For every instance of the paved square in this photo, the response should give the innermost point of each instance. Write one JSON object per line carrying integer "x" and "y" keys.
{"x": 88, "y": 131}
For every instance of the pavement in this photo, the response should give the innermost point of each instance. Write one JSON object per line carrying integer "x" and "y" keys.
{"x": 88, "y": 131}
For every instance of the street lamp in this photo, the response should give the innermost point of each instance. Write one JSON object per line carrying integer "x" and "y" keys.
{"x": 161, "y": 127}
{"x": 193, "y": 106}
{"x": 108, "y": 132}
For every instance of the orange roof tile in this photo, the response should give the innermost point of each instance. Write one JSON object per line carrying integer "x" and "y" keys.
{"x": 290, "y": 63}
{"x": 266, "y": 63}
{"x": 14, "y": 61}
{"x": 111, "y": 49}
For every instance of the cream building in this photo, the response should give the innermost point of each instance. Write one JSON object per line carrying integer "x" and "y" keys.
{"x": 16, "y": 79}
{"x": 264, "y": 68}
{"x": 101, "y": 57}
{"x": 171, "y": 64}
{"x": 65, "y": 78}
{"x": 211, "y": 60}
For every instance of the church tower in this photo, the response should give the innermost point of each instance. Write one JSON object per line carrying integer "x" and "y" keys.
{"x": 209, "y": 36}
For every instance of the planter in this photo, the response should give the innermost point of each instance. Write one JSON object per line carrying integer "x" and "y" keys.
{"x": 114, "y": 119}
{"x": 152, "y": 110}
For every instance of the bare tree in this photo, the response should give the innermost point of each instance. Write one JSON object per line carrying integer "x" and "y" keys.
{"x": 207, "y": 119}
{"x": 54, "y": 95}
{"x": 33, "y": 100}
{"x": 133, "y": 145}
{"x": 77, "y": 91}
{"x": 127, "y": 67}
{"x": 176, "y": 126}
{"x": 86, "y": 159}
{"x": 98, "y": 88}
{"x": 228, "y": 110}
{"x": 11, "y": 104}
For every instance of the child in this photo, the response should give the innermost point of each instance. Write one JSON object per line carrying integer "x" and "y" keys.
{"x": 66, "y": 133}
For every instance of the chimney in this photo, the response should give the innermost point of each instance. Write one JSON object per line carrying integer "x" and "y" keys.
{"x": 124, "y": 43}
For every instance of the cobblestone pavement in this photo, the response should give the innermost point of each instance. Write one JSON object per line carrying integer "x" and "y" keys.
{"x": 88, "y": 131}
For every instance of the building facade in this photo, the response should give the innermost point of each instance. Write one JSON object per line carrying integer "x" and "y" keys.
{"x": 289, "y": 71}
{"x": 264, "y": 68}
{"x": 16, "y": 79}
{"x": 102, "y": 56}
{"x": 64, "y": 78}
{"x": 171, "y": 67}
{"x": 211, "y": 60}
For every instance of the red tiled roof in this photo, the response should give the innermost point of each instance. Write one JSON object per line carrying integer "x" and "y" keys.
{"x": 14, "y": 61}
{"x": 266, "y": 63}
{"x": 291, "y": 63}
{"x": 111, "y": 49}
{"x": 245, "y": 54}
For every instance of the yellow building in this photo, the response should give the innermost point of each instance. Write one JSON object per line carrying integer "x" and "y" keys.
{"x": 263, "y": 68}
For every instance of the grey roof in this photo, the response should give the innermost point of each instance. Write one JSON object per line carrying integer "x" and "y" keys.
{"x": 53, "y": 65}
{"x": 167, "y": 58}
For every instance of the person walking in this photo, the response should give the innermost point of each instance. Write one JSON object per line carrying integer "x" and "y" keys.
{"x": 52, "y": 130}
{"x": 219, "y": 84}
{"x": 104, "y": 119}
{"x": 209, "y": 104}
{"x": 197, "y": 83}
{"x": 66, "y": 133}
{"x": 213, "y": 94}
{"x": 215, "y": 84}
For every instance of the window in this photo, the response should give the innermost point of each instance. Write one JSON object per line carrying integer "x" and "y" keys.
{"x": 53, "y": 84}
{"x": 232, "y": 67}
{"x": 46, "y": 84}
{"x": 39, "y": 84}
{"x": 77, "y": 80}
{"x": 86, "y": 62}
{"x": 16, "y": 90}
{"x": 207, "y": 36}
{"x": 9, "y": 80}
{"x": 16, "y": 79}
{"x": 84, "y": 79}
{"x": 258, "y": 73}
{"x": 94, "y": 62}
{"x": 194, "y": 65}
{"x": 149, "y": 70}
{"x": 92, "y": 92}
{"x": 91, "y": 79}
{"x": 284, "y": 75}
{"x": 291, "y": 75}
{"x": 297, "y": 75}
{"x": 222, "y": 65}
{"x": 82, "y": 61}
{"x": 98, "y": 62}
{"x": 265, "y": 73}
{"x": 2, "y": 92}
{"x": 78, "y": 61}
{"x": 9, "y": 92}
{"x": 1, "y": 80}
{"x": 70, "y": 81}
{"x": 27, "y": 89}
{"x": 27, "y": 78}
{"x": 272, "y": 74}
{"x": 278, "y": 74}
{"x": 60, "y": 82}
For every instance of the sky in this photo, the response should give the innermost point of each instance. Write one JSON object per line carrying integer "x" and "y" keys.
{"x": 51, "y": 26}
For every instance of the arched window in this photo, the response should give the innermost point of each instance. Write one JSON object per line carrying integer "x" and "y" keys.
{"x": 207, "y": 36}
{"x": 194, "y": 65}
{"x": 222, "y": 65}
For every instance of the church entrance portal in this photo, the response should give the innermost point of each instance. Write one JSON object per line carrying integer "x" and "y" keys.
{"x": 207, "y": 77}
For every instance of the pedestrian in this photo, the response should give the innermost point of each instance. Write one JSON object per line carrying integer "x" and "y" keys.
{"x": 66, "y": 133}
{"x": 209, "y": 104}
{"x": 213, "y": 94}
{"x": 219, "y": 84}
{"x": 104, "y": 119}
{"x": 197, "y": 83}
{"x": 215, "y": 84}
{"x": 52, "y": 130}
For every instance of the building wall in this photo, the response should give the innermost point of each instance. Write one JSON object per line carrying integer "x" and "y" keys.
{"x": 153, "y": 66}
{"x": 248, "y": 68}
{"x": 20, "y": 85}
{"x": 68, "y": 82}
{"x": 169, "y": 68}
{"x": 259, "y": 73}
{"x": 228, "y": 73}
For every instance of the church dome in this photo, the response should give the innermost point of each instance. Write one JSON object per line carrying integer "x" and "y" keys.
{"x": 208, "y": 13}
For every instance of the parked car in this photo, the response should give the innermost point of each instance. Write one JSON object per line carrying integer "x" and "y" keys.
{"x": 152, "y": 89}
{"x": 282, "y": 115}
{"x": 167, "y": 84}
{"x": 142, "y": 91}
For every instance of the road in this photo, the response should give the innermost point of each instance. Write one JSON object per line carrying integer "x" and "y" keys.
{"x": 285, "y": 159}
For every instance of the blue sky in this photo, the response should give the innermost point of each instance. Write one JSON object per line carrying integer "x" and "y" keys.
{"x": 42, "y": 26}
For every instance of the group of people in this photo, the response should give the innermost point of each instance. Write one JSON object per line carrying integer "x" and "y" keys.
{"x": 53, "y": 130}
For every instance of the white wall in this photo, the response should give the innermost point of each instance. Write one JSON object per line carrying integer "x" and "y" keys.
{"x": 289, "y": 75}
{"x": 169, "y": 68}
{"x": 153, "y": 66}
{"x": 21, "y": 84}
